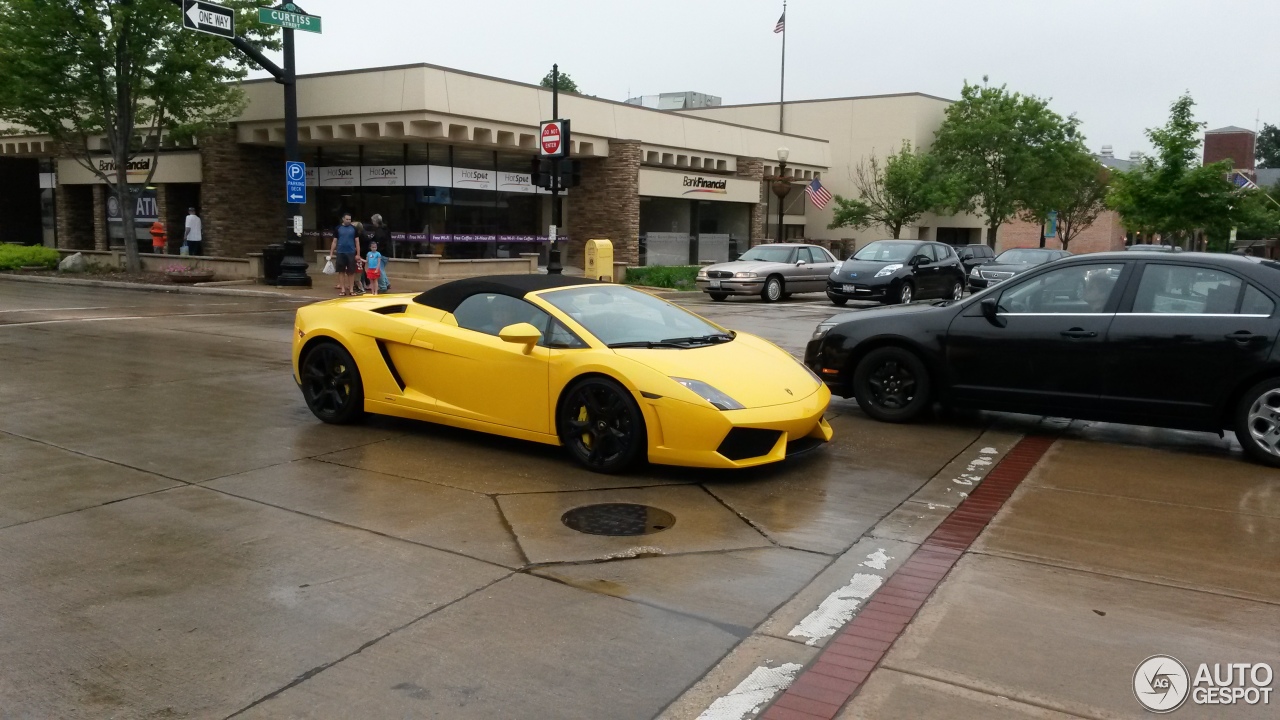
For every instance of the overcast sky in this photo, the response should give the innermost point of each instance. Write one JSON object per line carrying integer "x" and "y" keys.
{"x": 1115, "y": 64}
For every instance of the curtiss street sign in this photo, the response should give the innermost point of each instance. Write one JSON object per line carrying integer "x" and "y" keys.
{"x": 553, "y": 138}
{"x": 289, "y": 18}
{"x": 206, "y": 17}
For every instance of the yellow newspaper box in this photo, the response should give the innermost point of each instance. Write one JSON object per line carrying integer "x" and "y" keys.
{"x": 599, "y": 265}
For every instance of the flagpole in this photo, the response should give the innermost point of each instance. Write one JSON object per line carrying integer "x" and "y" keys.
{"x": 782, "y": 87}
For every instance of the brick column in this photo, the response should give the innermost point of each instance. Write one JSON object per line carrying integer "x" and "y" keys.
{"x": 100, "y": 240}
{"x": 74, "y": 206}
{"x": 607, "y": 204}
{"x": 753, "y": 169}
{"x": 241, "y": 195}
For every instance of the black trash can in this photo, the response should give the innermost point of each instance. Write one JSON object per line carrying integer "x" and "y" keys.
{"x": 272, "y": 256}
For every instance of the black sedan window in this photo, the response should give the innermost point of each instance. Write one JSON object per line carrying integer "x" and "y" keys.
{"x": 1021, "y": 256}
{"x": 1256, "y": 303}
{"x": 1076, "y": 289}
{"x": 1186, "y": 290}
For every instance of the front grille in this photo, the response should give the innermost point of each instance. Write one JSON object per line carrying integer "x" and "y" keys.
{"x": 995, "y": 274}
{"x": 719, "y": 274}
{"x": 743, "y": 443}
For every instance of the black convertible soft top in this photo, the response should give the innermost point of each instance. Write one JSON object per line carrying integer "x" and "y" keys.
{"x": 450, "y": 295}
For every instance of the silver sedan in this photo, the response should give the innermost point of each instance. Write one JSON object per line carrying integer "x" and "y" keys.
{"x": 771, "y": 271}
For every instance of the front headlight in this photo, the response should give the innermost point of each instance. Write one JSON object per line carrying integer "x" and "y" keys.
{"x": 822, "y": 329}
{"x": 744, "y": 274}
{"x": 889, "y": 269}
{"x": 710, "y": 394}
{"x": 974, "y": 272}
{"x": 702, "y": 273}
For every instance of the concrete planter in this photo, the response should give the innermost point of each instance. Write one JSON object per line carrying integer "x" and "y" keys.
{"x": 189, "y": 278}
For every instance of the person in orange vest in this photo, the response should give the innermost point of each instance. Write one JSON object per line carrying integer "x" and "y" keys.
{"x": 158, "y": 238}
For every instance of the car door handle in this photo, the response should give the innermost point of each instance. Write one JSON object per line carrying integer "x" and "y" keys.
{"x": 1079, "y": 333}
{"x": 1243, "y": 336}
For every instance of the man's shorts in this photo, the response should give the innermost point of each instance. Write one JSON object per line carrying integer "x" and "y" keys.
{"x": 344, "y": 262}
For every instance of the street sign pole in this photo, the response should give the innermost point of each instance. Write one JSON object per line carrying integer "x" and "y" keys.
{"x": 553, "y": 254}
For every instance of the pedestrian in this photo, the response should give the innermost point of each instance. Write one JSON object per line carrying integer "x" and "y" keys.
{"x": 158, "y": 238}
{"x": 193, "y": 233}
{"x": 360, "y": 253}
{"x": 343, "y": 252}
{"x": 373, "y": 263}
{"x": 381, "y": 234}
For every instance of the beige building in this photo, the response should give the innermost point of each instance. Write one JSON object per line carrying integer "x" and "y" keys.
{"x": 857, "y": 128}
{"x": 444, "y": 156}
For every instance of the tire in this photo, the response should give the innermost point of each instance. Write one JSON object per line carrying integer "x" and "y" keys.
{"x": 719, "y": 297}
{"x": 906, "y": 293}
{"x": 838, "y": 301}
{"x": 786, "y": 296}
{"x": 331, "y": 384}
{"x": 773, "y": 289}
{"x": 892, "y": 384}
{"x": 957, "y": 291}
{"x": 601, "y": 425}
{"x": 1257, "y": 422}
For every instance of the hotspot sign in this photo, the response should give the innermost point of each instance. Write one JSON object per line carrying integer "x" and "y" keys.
{"x": 554, "y": 138}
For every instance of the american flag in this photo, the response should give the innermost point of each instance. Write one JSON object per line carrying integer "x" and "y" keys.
{"x": 782, "y": 22}
{"x": 1241, "y": 181}
{"x": 818, "y": 195}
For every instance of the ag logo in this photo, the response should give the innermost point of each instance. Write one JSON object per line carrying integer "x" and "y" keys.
{"x": 1161, "y": 683}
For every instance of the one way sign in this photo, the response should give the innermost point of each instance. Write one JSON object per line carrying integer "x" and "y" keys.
{"x": 209, "y": 18}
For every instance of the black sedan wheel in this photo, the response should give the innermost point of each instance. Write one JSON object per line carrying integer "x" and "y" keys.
{"x": 838, "y": 301}
{"x": 719, "y": 297}
{"x": 331, "y": 384}
{"x": 602, "y": 426}
{"x": 957, "y": 291}
{"x": 1257, "y": 422}
{"x": 892, "y": 385}
{"x": 773, "y": 289}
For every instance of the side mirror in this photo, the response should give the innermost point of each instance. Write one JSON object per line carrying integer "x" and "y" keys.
{"x": 800, "y": 262}
{"x": 919, "y": 260}
{"x": 523, "y": 333}
{"x": 991, "y": 311}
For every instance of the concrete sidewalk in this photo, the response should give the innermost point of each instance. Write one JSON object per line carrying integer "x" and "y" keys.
{"x": 1106, "y": 555}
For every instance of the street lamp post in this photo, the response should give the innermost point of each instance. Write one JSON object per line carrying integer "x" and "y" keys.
{"x": 781, "y": 186}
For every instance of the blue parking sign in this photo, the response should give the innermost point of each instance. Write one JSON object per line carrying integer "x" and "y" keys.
{"x": 295, "y": 182}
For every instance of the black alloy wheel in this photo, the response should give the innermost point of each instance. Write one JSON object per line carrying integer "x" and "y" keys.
{"x": 773, "y": 289}
{"x": 892, "y": 384}
{"x": 957, "y": 291}
{"x": 719, "y": 297}
{"x": 331, "y": 384}
{"x": 906, "y": 293}
{"x": 602, "y": 426}
{"x": 1257, "y": 422}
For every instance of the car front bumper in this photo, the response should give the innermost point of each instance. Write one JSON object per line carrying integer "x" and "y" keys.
{"x": 731, "y": 286}
{"x": 682, "y": 433}
{"x": 853, "y": 290}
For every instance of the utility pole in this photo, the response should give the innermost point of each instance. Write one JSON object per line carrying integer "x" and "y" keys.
{"x": 553, "y": 255}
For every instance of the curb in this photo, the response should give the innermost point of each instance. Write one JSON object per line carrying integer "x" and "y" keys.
{"x": 823, "y": 688}
{"x": 145, "y": 287}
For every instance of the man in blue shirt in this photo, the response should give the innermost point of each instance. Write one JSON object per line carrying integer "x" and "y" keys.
{"x": 343, "y": 252}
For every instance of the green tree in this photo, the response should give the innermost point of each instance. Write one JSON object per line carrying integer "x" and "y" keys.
{"x": 1086, "y": 200}
{"x": 117, "y": 75}
{"x": 891, "y": 195}
{"x": 1002, "y": 152}
{"x": 1267, "y": 149}
{"x": 1170, "y": 192}
{"x": 566, "y": 83}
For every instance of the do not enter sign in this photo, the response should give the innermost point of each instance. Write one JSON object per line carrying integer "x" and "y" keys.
{"x": 554, "y": 138}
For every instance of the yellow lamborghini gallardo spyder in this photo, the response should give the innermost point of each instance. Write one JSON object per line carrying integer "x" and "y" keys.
{"x": 610, "y": 372}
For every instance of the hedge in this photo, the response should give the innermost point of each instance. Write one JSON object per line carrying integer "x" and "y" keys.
{"x": 678, "y": 277}
{"x": 13, "y": 257}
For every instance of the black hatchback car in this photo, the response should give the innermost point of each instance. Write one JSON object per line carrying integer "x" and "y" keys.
{"x": 898, "y": 271}
{"x": 1184, "y": 340}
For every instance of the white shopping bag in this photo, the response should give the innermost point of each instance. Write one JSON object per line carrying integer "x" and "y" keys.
{"x": 328, "y": 267}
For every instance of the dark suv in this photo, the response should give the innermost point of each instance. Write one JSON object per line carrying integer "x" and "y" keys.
{"x": 971, "y": 256}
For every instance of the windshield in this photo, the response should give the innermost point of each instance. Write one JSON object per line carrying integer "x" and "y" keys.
{"x": 887, "y": 251}
{"x": 617, "y": 314}
{"x": 1024, "y": 257}
{"x": 766, "y": 253}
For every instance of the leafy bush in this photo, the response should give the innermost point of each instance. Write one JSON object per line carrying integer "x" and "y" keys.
{"x": 13, "y": 257}
{"x": 678, "y": 277}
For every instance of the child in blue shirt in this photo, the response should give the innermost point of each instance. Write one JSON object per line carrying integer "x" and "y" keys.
{"x": 373, "y": 267}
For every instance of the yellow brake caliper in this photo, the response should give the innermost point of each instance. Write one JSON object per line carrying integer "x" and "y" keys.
{"x": 582, "y": 417}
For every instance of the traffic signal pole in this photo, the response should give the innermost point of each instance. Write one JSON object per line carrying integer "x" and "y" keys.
{"x": 553, "y": 254}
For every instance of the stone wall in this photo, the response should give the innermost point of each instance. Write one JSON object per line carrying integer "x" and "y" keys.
{"x": 241, "y": 197}
{"x": 100, "y": 240}
{"x": 753, "y": 169}
{"x": 1106, "y": 233}
{"x": 607, "y": 205}
{"x": 75, "y": 208}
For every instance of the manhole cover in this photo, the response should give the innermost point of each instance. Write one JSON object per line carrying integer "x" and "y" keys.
{"x": 618, "y": 519}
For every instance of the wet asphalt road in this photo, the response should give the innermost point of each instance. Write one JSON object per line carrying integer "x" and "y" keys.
{"x": 180, "y": 538}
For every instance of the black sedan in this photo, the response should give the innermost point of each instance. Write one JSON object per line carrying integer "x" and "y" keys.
{"x": 1011, "y": 262}
{"x": 1184, "y": 340}
{"x": 898, "y": 271}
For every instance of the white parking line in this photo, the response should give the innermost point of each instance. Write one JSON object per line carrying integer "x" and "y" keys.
{"x": 751, "y": 694}
{"x": 838, "y": 607}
